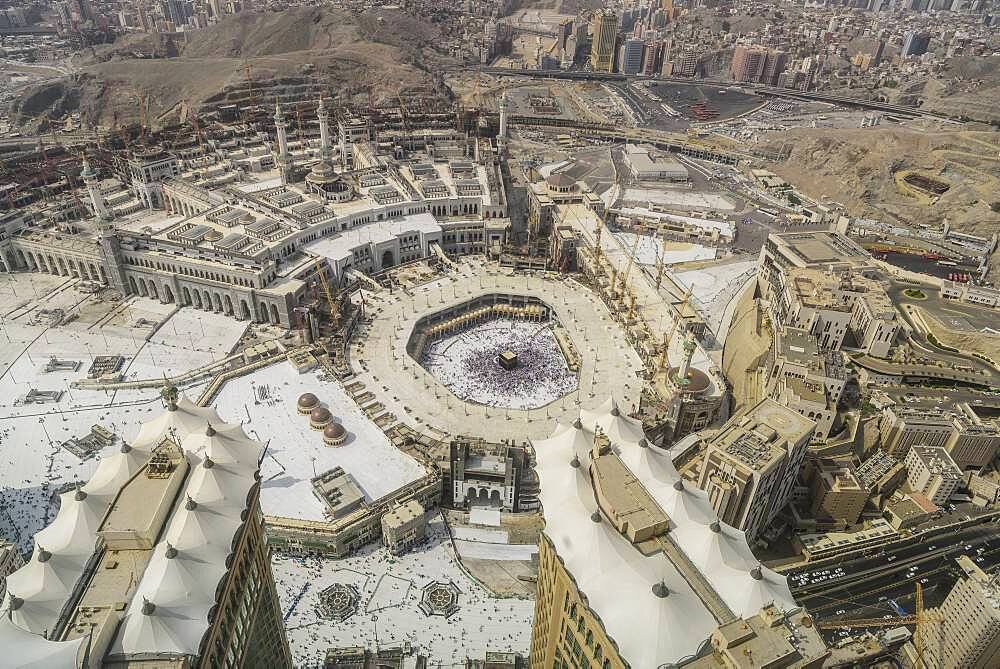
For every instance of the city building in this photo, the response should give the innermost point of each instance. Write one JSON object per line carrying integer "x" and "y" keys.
{"x": 648, "y": 164}
{"x": 932, "y": 472}
{"x": 630, "y": 56}
{"x": 488, "y": 474}
{"x": 902, "y": 427}
{"x": 967, "y": 628}
{"x": 837, "y": 495}
{"x": 825, "y": 283}
{"x": 750, "y": 466}
{"x": 754, "y": 64}
{"x": 818, "y": 546}
{"x": 631, "y": 541}
{"x": 880, "y": 474}
{"x": 904, "y": 511}
{"x": 10, "y": 561}
{"x": 915, "y": 44}
{"x": 194, "y": 231}
{"x": 829, "y": 306}
{"x": 404, "y": 526}
{"x": 802, "y": 377}
{"x": 974, "y": 441}
{"x": 159, "y": 560}
{"x": 604, "y": 36}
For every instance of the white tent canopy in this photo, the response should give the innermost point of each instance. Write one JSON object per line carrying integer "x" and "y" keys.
{"x": 24, "y": 650}
{"x": 616, "y": 578}
{"x": 169, "y": 612}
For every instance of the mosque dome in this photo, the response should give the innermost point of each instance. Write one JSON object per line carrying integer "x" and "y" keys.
{"x": 307, "y": 402}
{"x": 320, "y": 417}
{"x": 334, "y": 434}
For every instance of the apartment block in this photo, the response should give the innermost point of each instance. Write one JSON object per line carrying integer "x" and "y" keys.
{"x": 932, "y": 472}
{"x": 900, "y": 428}
{"x": 969, "y": 622}
{"x": 751, "y": 465}
{"x": 837, "y": 495}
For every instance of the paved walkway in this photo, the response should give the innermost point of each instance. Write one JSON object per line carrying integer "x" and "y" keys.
{"x": 609, "y": 365}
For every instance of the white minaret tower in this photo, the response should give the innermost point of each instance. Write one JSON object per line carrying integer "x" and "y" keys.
{"x": 502, "y": 137}
{"x": 89, "y": 177}
{"x": 685, "y": 365}
{"x": 283, "y": 158}
{"x": 324, "y": 130}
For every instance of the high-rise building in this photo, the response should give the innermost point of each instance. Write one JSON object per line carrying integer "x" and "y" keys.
{"x": 683, "y": 64}
{"x": 757, "y": 65}
{"x": 915, "y": 44}
{"x": 967, "y": 630}
{"x": 900, "y": 428}
{"x": 636, "y": 570}
{"x": 751, "y": 465}
{"x": 631, "y": 56}
{"x": 604, "y": 31}
{"x": 837, "y": 495}
{"x": 160, "y": 560}
{"x": 932, "y": 472}
{"x": 10, "y": 561}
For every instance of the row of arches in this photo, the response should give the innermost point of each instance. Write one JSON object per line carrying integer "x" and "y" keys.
{"x": 208, "y": 300}
{"x": 187, "y": 271}
{"x": 37, "y": 261}
{"x": 483, "y": 497}
{"x": 176, "y": 205}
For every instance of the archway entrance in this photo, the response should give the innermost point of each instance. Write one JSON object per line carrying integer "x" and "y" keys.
{"x": 388, "y": 260}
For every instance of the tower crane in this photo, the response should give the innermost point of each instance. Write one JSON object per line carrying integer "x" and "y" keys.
{"x": 921, "y": 620}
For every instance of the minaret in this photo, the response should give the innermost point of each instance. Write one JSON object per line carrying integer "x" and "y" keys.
{"x": 685, "y": 366}
{"x": 89, "y": 177}
{"x": 324, "y": 130}
{"x": 502, "y": 137}
{"x": 112, "y": 267}
{"x": 283, "y": 159}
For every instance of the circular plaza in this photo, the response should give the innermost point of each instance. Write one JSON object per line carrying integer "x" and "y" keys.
{"x": 484, "y": 352}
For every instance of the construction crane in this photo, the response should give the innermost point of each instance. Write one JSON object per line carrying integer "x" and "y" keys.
{"x": 334, "y": 311}
{"x": 921, "y": 620}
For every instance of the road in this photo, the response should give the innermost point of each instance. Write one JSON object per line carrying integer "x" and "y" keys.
{"x": 756, "y": 88}
{"x": 870, "y": 585}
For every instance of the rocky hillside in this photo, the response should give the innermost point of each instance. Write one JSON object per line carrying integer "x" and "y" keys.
{"x": 859, "y": 168}
{"x": 294, "y": 52}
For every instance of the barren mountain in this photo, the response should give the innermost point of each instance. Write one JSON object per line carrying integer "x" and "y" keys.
{"x": 292, "y": 53}
{"x": 864, "y": 170}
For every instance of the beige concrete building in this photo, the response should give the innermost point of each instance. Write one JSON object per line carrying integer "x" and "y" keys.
{"x": 405, "y": 525}
{"x": 751, "y": 465}
{"x": 932, "y": 472}
{"x": 969, "y": 627}
{"x": 763, "y": 640}
{"x": 974, "y": 443}
{"x": 825, "y": 283}
{"x": 903, "y": 427}
{"x": 802, "y": 377}
{"x": 837, "y": 495}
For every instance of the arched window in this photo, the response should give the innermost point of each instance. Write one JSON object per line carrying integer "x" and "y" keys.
{"x": 572, "y": 612}
{"x": 598, "y": 653}
{"x": 590, "y": 639}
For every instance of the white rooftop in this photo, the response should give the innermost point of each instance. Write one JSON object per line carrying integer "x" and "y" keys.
{"x": 341, "y": 246}
{"x": 615, "y": 577}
